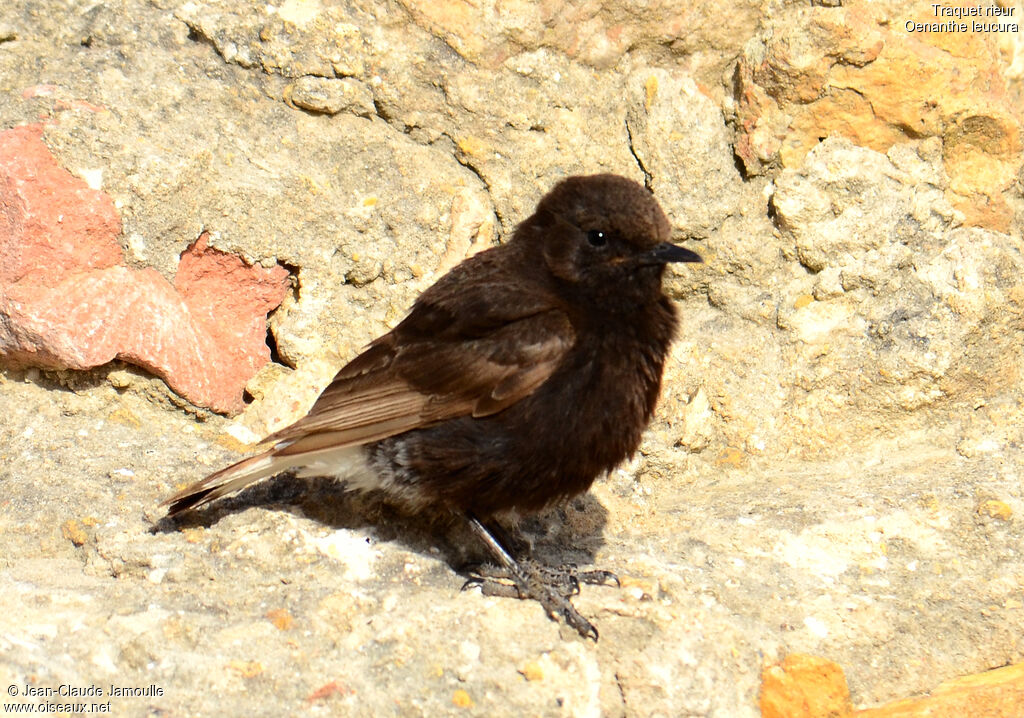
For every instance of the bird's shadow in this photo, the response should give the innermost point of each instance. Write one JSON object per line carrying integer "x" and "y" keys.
{"x": 568, "y": 534}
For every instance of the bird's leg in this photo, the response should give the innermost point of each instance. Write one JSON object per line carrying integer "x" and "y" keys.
{"x": 551, "y": 587}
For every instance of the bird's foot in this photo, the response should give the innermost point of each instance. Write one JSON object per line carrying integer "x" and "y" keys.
{"x": 552, "y": 587}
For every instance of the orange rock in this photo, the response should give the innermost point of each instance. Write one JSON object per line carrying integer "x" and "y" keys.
{"x": 859, "y": 73}
{"x": 74, "y": 532}
{"x": 281, "y": 619}
{"x": 462, "y": 699}
{"x": 995, "y": 509}
{"x": 731, "y": 456}
{"x": 804, "y": 686}
{"x": 997, "y": 693}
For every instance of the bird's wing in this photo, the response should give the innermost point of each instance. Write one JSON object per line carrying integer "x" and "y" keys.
{"x": 401, "y": 383}
{"x": 470, "y": 347}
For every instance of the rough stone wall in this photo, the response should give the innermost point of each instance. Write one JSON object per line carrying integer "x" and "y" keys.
{"x": 834, "y": 463}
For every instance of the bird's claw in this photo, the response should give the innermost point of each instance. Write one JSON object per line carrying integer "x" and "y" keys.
{"x": 552, "y": 587}
{"x": 599, "y": 578}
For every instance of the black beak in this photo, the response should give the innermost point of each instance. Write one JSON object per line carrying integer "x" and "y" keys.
{"x": 667, "y": 252}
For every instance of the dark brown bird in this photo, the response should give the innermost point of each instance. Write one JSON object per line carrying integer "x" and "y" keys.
{"x": 517, "y": 379}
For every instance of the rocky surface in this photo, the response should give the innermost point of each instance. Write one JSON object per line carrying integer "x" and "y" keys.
{"x": 876, "y": 75}
{"x": 834, "y": 469}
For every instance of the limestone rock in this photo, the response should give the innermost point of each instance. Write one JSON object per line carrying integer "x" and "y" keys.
{"x": 331, "y": 96}
{"x": 681, "y": 143}
{"x": 833, "y": 459}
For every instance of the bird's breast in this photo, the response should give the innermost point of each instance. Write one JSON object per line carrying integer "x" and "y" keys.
{"x": 591, "y": 414}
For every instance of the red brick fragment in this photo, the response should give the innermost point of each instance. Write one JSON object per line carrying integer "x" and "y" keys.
{"x": 68, "y": 301}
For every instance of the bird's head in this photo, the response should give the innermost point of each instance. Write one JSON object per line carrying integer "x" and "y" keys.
{"x": 603, "y": 232}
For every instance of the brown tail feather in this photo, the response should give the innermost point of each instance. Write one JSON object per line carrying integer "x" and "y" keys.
{"x": 227, "y": 481}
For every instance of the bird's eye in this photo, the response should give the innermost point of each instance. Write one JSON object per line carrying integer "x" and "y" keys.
{"x": 597, "y": 238}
